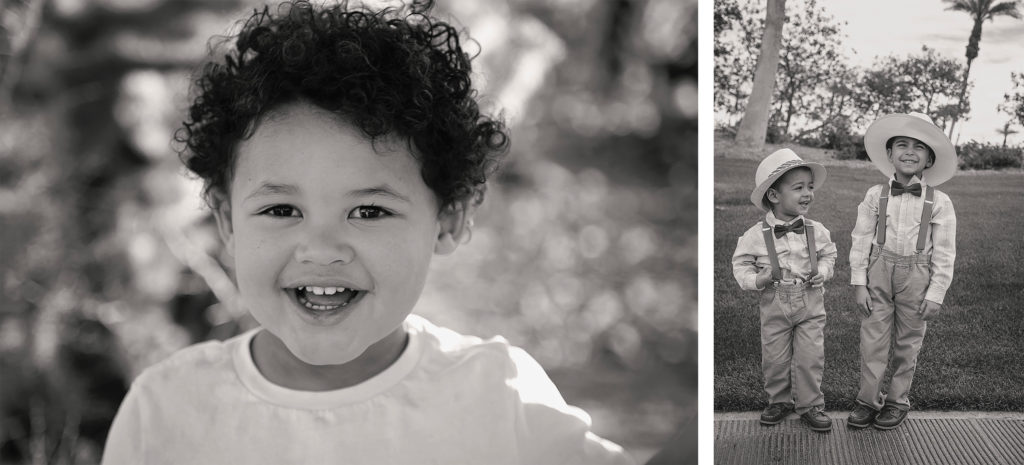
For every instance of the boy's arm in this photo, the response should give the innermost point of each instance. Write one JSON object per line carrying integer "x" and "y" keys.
{"x": 744, "y": 261}
{"x": 943, "y": 226}
{"x": 827, "y": 252}
{"x": 863, "y": 230}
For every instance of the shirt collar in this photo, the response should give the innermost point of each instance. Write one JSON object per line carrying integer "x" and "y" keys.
{"x": 772, "y": 220}
{"x": 913, "y": 179}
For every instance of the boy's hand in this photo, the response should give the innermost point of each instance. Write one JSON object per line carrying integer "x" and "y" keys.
{"x": 860, "y": 295}
{"x": 928, "y": 309}
{"x": 817, "y": 280}
{"x": 764, "y": 277}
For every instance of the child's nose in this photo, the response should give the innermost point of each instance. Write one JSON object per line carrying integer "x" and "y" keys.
{"x": 324, "y": 245}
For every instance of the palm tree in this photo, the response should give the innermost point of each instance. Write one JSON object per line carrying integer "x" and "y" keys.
{"x": 754, "y": 125}
{"x": 1005, "y": 131}
{"x": 980, "y": 10}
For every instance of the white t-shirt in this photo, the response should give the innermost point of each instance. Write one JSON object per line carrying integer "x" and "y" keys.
{"x": 448, "y": 399}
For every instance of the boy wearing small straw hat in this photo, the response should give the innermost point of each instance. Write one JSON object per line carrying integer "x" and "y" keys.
{"x": 901, "y": 259}
{"x": 787, "y": 258}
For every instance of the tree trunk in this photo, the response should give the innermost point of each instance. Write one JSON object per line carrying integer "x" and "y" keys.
{"x": 963, "y": 93}
{"x": 754, "y": 125}
{"x": 973, "y": 46}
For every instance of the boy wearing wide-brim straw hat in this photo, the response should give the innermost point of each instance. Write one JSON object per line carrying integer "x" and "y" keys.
{"x": 788, "y": 257}
{"x": 901, "y": 259}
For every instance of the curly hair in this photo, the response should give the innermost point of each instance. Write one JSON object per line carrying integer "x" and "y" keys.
{"x": 389, "y": 73}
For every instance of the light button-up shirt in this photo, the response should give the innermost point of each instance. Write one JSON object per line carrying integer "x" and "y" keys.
{"x": 902, "y": 223}
{"x": 751, "y": 253}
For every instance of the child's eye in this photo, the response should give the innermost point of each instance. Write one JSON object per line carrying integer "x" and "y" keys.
{"x": 367, "y": 212}
{"x": 281, "y": 210}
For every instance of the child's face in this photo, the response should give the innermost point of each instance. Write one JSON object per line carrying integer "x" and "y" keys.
{"x": 793, "y": 194}
{"x": 313, "y": 210}
{"x": 910, "y": 156}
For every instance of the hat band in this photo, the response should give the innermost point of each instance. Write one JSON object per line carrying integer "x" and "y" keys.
{"x": 785, "y": 166}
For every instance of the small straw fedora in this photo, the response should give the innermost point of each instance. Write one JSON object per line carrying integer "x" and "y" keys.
{"x": 777, "y": 164}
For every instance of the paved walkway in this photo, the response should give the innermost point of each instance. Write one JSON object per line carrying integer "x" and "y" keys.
{"x": 955, "y": 438}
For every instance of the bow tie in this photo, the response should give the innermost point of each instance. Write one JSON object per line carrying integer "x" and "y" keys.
{"x": 913, "y": 189}
{"x": 796, "y": 227}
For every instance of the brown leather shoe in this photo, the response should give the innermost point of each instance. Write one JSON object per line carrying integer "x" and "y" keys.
{"x": 816, "y": 419}
{"x": 775, "y": 413}
{"x": 861, "y": 417}
{"x": 890, "y": 417}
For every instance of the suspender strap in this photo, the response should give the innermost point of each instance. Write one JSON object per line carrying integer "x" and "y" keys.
{"x": 769, "y": 242}
{"x": 883, "y": 205}
{"x": 926, "y": 217}
{"x": 773, "y": 256}
{"x": 812, "y": 251}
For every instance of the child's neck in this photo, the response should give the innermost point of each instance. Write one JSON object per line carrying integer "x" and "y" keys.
{"x": 784, "y": 217}
{"x": 281, "y": 367}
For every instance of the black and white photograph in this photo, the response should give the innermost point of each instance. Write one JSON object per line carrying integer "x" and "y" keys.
{"x": 867, "y": 232}
{"x": 366, "y": 232}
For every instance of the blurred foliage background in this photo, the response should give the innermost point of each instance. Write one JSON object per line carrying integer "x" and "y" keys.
{"x": 584, "y": 252}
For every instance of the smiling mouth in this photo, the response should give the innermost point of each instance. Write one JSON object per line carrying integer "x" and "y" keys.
{"x": 325, "y": 299}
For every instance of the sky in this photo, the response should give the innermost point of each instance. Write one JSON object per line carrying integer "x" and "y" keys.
{"x": 877, "y": 28}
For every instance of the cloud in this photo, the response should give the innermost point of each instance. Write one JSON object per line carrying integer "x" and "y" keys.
{"x": 946, "y": 38}
{"x": 1008, "y": 33}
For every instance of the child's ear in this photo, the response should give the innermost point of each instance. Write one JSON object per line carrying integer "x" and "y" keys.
{"x": 455, "y": 221}
{"x": 772, "y": 195}
{"x": 222, "y": 214}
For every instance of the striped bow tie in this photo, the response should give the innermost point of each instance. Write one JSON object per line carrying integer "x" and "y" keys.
{"x": 796, "y": 227}
{"x": 913, "y": 189}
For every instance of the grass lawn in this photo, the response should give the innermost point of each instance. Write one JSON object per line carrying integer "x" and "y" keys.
{"x": 971, "y": 359}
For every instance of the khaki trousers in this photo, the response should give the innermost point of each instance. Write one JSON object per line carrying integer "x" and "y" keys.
{"x": 897, "y": 286}
{"x": 793, "y": 344}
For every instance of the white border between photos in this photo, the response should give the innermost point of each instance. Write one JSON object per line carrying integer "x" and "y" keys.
{"x": 705, "y": 231}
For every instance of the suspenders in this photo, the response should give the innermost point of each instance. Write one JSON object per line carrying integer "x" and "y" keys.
{"x": 773, "y": 256}
{"x": 926, "y": 216}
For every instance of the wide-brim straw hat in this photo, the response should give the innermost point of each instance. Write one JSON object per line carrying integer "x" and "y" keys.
{"x": 777, "y": 164}
{"x": 920, "y": 127}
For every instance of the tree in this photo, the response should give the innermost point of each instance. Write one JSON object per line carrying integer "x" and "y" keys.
{"x": 926, "y": 82}
{"x": 1013, "y": 105}
{"x": 738, "y": 34}
{"x": 931, "y": 79}
{"x": 980, "y": 10}
{"x": 1013, "y": 102}
{"x": 810, "y": 66}
{"x": 737, "y": 39}
{"x": 830, "y": 111}
{"x": 755, "y": 119}
{"x": 1006, "y": 131}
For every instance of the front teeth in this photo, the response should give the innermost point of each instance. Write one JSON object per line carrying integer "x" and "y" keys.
{"x": 323, "y": 290}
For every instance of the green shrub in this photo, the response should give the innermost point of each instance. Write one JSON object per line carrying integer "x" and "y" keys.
{"x": 985, "y": 156}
